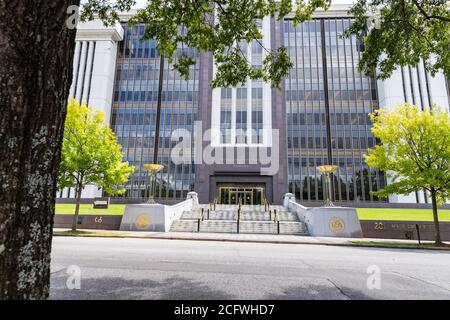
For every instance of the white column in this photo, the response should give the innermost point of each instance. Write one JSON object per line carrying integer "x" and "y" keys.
{"x": 249, "y": 110}
{"x": 438, "y": 91}
{"x": 215, "y": 117}
{"x": 81, "y": 72}
{"x": 87, "y": 78}
{"x": 249, "y": 99}
{"x": 266, "y": 88}
{"x": 98, "y": 64}
{"x": 103, "y": 72}
{"x": 76, "y": 59}
{"x": 390, "y": 91}
{"x": 423, "y": 84}
{"x": 233, "y": 116}
{"x": 407, "y": 84}
{"x": 415, "y": 87}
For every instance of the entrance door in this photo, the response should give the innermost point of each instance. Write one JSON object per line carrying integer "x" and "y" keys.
{"x": 246, "y": 197}
{"x": 249, "y": 195}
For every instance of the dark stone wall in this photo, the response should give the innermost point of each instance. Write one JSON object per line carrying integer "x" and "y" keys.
{"x": 403, "y": 229}
{"x": 209, "y": 176}
{"x": 104, "y": 222}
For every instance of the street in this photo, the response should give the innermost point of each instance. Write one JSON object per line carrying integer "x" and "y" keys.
{"x": 124, "y": 268}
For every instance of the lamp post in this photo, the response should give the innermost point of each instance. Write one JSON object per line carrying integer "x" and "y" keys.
{"x": 152, "y": 168}
{"x": 327, "y": 171}
{"x": 158, "y": 108}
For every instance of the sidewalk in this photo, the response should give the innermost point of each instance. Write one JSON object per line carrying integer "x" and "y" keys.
{"x": 254, "y": 238}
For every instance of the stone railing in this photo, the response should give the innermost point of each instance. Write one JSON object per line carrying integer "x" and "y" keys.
{"x": 291, "y": 205}
{"x": 326, "y": 221}
{"x": 155, "y": 217}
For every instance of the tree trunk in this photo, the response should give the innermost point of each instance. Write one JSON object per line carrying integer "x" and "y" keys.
{"x": 36, "y": 55}
{"x": 437, "y": 232}
{"x": 77, "y": 206}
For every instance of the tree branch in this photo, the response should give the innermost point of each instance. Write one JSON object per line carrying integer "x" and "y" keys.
{"x": 426, "y": 15}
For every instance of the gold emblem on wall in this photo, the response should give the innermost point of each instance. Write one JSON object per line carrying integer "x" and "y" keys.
{"x": 142, "y": 222}
{"x": 336, "y": 224}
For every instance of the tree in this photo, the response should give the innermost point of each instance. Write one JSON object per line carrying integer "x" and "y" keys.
{"x": 402, "y": 33}
{"x": 395, "y": 32}
{"x": 36, "y": 71}
{"x": 415, "y": 153}
{"x": 90, "y": 154}
{"x": 35, "y": 76}
{"x": 220, "y": 27}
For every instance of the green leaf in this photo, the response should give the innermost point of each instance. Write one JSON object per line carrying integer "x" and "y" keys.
{"x": 213, "y": 26}
{"x": 90, "y": 153}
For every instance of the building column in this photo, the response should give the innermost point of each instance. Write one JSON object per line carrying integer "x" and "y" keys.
{"x": 415, "y": 86}
{"x": 87, "y": 77}
{"x": 80, "y": 75}
{"x": 94, "y": 68}
{"x": 76, "y": 59}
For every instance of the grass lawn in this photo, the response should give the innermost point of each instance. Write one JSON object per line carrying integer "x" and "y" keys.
{"x": 401, "y": 214}
{"x": 69, "y": 208}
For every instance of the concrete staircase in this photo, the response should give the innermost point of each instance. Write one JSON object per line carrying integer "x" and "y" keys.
{"x": 253, "y": 219}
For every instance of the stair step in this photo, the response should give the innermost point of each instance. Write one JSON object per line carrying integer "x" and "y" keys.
{"x": 293, "y": 228}
{"x": 253, "y": 219}
{"x": 191, "y": 215}
{"x": 184, "y": 226}
{"x": 226, "y": 226}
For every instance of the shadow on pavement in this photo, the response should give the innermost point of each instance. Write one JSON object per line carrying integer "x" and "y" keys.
{"x": 319, "y": 292}
{"x": 115, "y": 288}
{"x": 175, "y": 288}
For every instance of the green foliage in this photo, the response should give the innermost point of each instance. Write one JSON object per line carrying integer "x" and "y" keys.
{"x": 90, "y": 153}
{"x": 415, "y": 150}
{"x": 215, "y": 26}
{"x": 107, "y": 11}
{"x": 402, "y": 33}
{"x": 405, "y": 32}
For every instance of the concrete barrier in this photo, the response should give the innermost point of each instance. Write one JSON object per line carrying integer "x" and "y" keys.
{"x": 155, "y": 217}
{"x": 333, "y": 222}
{"x": 291, "y": 205}
{"x": 85, "y": 221}
{"x": 390, "y": 229}
{"x": 326, "y": 221}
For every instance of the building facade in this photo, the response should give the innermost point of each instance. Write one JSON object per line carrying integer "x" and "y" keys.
{"x": 252, "y": 142}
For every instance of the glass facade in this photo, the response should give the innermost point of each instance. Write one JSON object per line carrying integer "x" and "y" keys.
{"x": 338, "y": 91}
{"x": 242, "y": 108}
{"x": 134, "y": 114}
{"x": 346, "y": 97}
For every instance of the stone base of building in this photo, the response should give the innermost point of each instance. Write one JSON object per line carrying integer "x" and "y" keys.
{"x": 333, "y": 222}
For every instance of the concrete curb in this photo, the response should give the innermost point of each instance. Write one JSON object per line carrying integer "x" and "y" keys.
{"x": 258, "y": 241}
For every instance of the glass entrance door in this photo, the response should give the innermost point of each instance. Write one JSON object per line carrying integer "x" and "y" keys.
{"x": 246, "y": 197}
{"x": 250, "y": 195}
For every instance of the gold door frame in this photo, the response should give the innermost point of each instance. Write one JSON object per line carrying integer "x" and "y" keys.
{"x": 225, "y": 194}
{"x": 239, "y": 194}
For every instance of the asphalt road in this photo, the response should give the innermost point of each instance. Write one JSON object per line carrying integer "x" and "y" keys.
{"x": 113, "y": 268}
